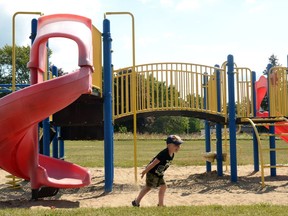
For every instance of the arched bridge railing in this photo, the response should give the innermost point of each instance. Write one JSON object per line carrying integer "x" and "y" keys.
{"x": 169, "y": 87}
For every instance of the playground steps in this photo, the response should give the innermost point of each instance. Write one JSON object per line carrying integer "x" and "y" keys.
{"x": 281, "y": 131}
{"x": 81, "y": 120}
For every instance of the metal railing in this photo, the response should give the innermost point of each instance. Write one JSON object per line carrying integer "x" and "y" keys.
{"x": 244, "y": 91}
{"x": 168, "y": 86}
{"x": 278, "y": 91}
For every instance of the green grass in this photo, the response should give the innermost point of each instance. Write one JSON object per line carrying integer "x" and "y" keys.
{"x": 211, "y": 210}
{"x": 91, "y": 153}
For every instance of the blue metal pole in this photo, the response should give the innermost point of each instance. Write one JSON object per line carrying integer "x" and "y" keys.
{"x": 219, "y": 126}
{"x": 232, "y": 118}
{"x": 46, "y": 125}
{"x": 55, "y": 147}
{"x": 34, "y": 24}
{"x": 207, "y": 126}
{"x": 255, "y": 143}
{"x": 61, "y": 145}
{"x": 108, "y": 121}
{"x": 272, "y": 141}
{"x": 46, "y": 136}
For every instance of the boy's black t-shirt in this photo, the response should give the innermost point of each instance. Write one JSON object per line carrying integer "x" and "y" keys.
{"x": 165, "y": 161}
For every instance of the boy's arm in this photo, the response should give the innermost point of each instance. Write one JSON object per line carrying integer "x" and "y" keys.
{"x": 150, "y": 166}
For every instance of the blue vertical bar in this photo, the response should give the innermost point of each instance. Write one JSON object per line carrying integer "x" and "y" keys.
{"x": 255, "y": 143}
{"x": 108, "y": 121}
{"x": 232, "y": 118}
{"x": 207, "y": 126}
{"x": 61, "y": 145}
{"x": 219, "y": 126}
{"x": 271, "y": 129}
{"x": 55, "y": 146}
{"x": 34, "y": 23}
{"x": 46, "y": 124}
{"x": 46, "y": 136}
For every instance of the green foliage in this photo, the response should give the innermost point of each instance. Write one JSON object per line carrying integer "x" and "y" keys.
{"x": 22, "y": 58}
{"x": 170, "y": 125}
{"x": 194, "y": 125}
{"x": 273, "y": 60}
{"x": 22, "y": 55}
{"x": 122, "y": 129}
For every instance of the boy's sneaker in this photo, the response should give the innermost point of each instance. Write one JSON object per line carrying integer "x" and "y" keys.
{"x": 135, "y": 204}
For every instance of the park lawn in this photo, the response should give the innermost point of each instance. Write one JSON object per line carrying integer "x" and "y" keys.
{"x": 211, "y": 210}
{"x": 91, "y": 153}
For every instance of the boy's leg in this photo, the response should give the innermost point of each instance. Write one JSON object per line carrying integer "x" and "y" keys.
{"x": 161, "y": 194}
{"x": 142, "y": 193}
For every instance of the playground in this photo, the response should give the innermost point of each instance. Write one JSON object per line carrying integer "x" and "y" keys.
{"x": 226, "y": 96}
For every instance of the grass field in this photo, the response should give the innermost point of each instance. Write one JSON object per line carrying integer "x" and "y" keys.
{"x": 91, "y": 154}
{"x": 212, "y": 210}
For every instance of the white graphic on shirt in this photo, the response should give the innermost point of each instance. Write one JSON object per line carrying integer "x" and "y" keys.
{"x": 161, "y": 168}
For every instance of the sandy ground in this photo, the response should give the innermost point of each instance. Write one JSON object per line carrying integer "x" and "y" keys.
{"x": 189, "y": 185}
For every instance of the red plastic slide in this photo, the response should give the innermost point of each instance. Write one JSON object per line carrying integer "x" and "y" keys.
{"x": 22, "y": 110}
{"x": 261, "y": 90}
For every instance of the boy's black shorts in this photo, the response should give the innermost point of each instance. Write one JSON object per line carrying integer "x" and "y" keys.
{"x": 154, "y": 180}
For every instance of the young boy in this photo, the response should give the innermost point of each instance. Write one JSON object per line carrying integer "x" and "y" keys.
{"x": 155, "y": 170}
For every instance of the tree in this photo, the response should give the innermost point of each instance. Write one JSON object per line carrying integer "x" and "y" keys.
{"x": 194, "y": 125}
{"x": 170, "y": 124}
{"x": 22, "y": 58}
{"x": 273, "y": 60}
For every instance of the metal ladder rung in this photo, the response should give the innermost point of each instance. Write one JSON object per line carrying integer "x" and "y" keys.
{"x": 276, "y": 135}
{"x": 267, "y": 120}
{"x": 276, "y": 166}
{"x": 271, "y": 124}
{"x": 276, "y": 149}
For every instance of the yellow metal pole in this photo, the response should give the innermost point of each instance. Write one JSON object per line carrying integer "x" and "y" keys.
{"x": 260, "y": 150}
{"x": 14, "y": 46}
{"x": 14, "y": 57}
{"x": 133, "y": 86}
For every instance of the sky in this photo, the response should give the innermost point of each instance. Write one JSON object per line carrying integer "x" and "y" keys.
{"x": 190, "y": 31}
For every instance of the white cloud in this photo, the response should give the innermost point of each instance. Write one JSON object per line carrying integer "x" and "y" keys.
{"x": 64, "y": 53}
{"x": 146, "y": 41}
{"x": 250, "y": 1}
{"x": 187, "y": 5}
{"x": 255, "y": 6}
{"x": 145, "y": 1}
{"x": 169, "y": 35}
{"x": 167, "y": 3}
{"x": 213, "y": 2}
